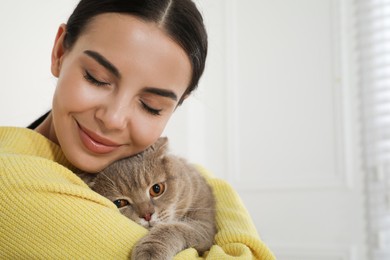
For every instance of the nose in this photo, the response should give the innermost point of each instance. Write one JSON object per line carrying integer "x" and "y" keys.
{"x": 147, "y": 216}
{"x": 145, "y": 210}
{"x": 114, "y": 114}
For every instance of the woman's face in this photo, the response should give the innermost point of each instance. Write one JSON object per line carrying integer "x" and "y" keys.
{"x": 117, "y": 87}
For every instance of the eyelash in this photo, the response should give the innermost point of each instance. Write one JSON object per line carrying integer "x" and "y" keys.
{"x": 94, "y": 81}
{"x": 152, "y": 111}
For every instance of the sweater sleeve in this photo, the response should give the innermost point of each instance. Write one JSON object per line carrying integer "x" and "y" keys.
{"x": 47, "y": 212}
{"x": 236, "y": 236}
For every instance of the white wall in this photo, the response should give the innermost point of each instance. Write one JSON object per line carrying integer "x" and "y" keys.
{"x": 280, "y": 103}
{"x": 275, "y": 113}
{"x": 28, "y": 29}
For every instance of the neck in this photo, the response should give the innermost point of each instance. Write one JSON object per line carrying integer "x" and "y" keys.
{"x": 46, "y": 129}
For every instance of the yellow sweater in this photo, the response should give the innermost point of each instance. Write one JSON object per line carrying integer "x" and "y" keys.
{"x": 47, "y": 212}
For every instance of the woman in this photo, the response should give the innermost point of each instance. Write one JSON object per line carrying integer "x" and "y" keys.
{"x": 122, "y": 67}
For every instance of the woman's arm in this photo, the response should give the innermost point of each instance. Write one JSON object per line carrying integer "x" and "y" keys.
{"x": 236, "y": 236}
{"x": 48, "y": 212}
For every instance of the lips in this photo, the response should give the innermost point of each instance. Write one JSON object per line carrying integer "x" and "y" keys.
{"x": 96, "y": 143}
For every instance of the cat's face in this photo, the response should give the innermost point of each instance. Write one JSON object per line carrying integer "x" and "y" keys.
{"x": 144, "y": 187}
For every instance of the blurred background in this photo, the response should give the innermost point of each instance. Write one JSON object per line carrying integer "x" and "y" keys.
{"x": 293, "y": 110}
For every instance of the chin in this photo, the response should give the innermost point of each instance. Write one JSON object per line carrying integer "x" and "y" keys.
{"x": 147, "y": 226}
{"x": 90, "y": 166}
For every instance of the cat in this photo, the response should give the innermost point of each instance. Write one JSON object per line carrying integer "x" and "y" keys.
{"x": 166, "y": 195}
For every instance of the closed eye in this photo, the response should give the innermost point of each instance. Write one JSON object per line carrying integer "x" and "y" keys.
{"x": 93, "y": 80}
{"x": 150, "y": 110}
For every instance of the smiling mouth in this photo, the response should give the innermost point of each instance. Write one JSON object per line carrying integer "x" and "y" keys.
{"x": 95, "y": 143}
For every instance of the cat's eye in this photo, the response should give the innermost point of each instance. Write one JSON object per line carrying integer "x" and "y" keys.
{"x": 121, "y": 203}
{"x": 157, "y": 189}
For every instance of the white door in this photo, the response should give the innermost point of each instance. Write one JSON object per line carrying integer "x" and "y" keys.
{"x": 276, "y": 115}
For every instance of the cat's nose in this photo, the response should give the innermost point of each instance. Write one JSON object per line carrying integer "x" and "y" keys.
{"x": 148, "y": 216}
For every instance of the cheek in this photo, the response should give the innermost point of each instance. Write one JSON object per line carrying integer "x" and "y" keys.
{"x": 129, "y": 213}
{"x": 145, "y": 130}
{"x": 73, "y": 94}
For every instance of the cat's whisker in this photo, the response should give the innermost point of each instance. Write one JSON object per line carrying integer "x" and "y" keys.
{"x": 192, "y": 209}
{"x": 165, "y": 215}
{"x": 196, "y": 209}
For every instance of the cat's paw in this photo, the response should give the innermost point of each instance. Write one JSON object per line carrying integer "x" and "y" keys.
{"x": 143, "y": 255}
{"x": 151, "y": 250}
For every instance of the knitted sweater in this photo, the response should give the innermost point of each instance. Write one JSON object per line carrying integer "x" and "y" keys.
{"x": 47, "y": 212}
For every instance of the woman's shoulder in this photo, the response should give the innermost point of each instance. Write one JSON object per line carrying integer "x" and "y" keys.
{"x": 29, "y": 160}
{"x": 41, "y": 197}
{"x": 31, "y": 171}
{"x": 25, "y": 141}
{"x": 22, "y": 143}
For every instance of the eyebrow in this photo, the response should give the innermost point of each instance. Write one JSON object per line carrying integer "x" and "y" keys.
{"x": 109, "y": 66}
{"x": 103, "y": 61}
{"x": 161, "y": 92}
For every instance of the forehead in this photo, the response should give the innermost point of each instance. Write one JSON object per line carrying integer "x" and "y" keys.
{"x": 137, "y": 46}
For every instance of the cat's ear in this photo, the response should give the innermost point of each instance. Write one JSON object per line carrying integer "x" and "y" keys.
{"x": 88, "y": 178}
{"x": 161, "y": 146}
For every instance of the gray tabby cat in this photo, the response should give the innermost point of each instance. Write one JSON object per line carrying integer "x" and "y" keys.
{"x": 163, "y": 193}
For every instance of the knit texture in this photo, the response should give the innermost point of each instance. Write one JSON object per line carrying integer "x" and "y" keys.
{"x": 47, "y": 212}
